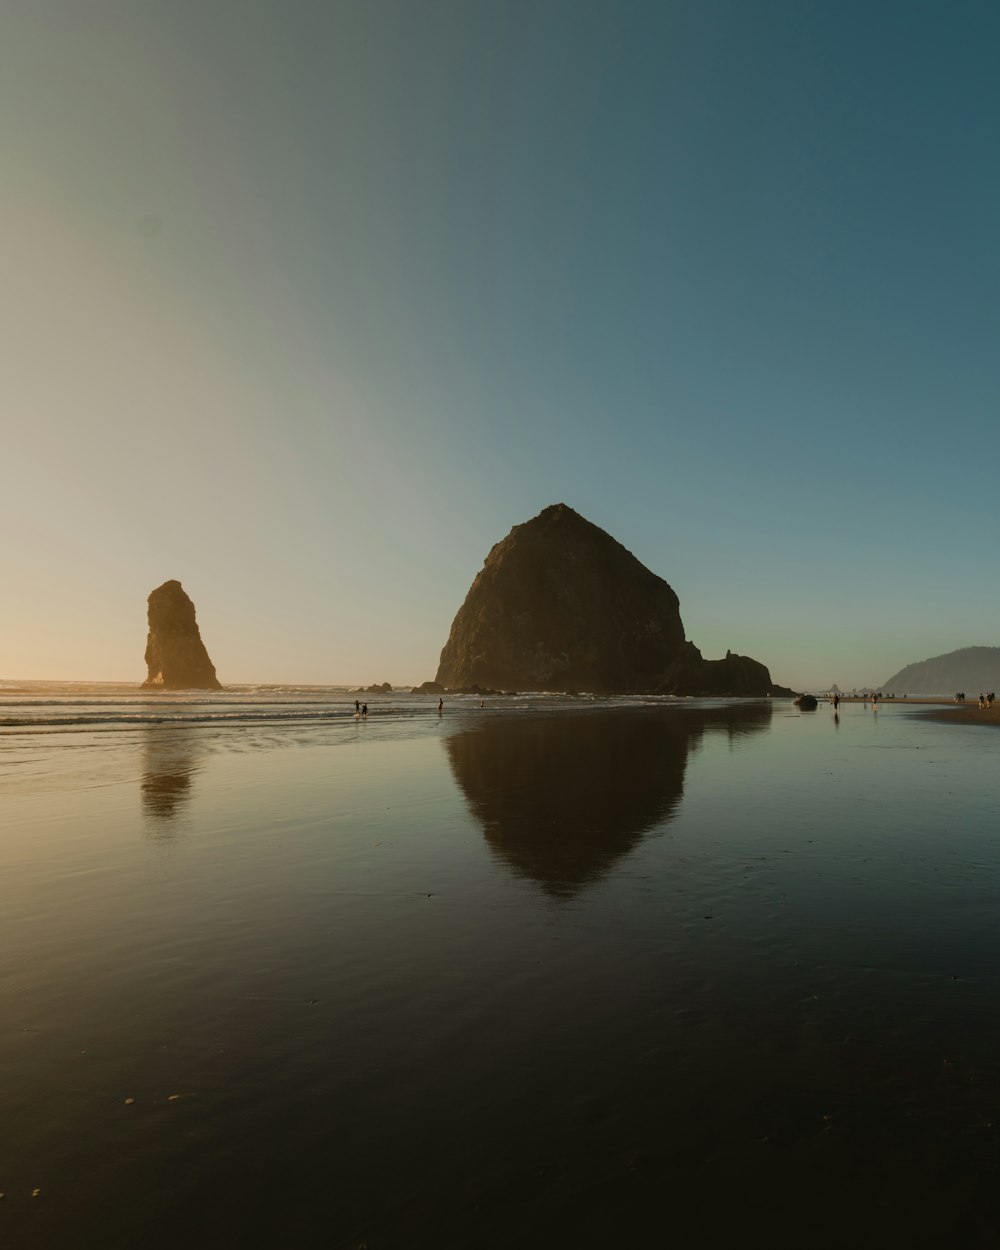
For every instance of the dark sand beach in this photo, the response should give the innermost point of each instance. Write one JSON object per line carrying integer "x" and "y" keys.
{"x": 967, "y": 713}
{"x": 549, "y": 973}
{"x": 947, "y": 711}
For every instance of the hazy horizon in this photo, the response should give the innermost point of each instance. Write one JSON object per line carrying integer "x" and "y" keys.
{"x": 405, "y": 683}
{"x": 308, "y": 305}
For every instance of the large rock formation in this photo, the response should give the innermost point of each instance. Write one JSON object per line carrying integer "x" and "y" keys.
{"x": 176, "y": 658}
{"x": 968, "y": 669}
{"x": 735, "y": 675}
{"x": 560, "y": 605}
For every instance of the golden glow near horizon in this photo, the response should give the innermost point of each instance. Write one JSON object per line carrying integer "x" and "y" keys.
{"x": 307, "y": 309}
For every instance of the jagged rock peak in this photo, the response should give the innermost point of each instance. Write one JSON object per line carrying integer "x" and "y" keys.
{"x": 561, "y": 605}
{"x": 176, "y": 658}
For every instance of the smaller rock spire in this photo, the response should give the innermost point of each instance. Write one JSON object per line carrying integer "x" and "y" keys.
{"x": 176, "y": 658}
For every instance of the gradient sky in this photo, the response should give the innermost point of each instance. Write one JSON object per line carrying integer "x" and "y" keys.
{"x": 306, "y": 304}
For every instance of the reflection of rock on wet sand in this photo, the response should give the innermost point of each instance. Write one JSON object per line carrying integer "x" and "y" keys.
{"x": 562, "y": 797}
{"x": 170, "y": 759}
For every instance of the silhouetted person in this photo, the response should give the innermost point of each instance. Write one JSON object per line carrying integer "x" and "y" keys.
{"x": 357, "y": 708}
{"x": 364, "y": 710}
{"x": 440, "y": 706}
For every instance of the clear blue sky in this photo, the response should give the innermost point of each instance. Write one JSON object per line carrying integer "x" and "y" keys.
{"x": 308, "y": 303}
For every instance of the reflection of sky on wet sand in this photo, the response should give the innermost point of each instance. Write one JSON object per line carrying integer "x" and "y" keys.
{"x": 761, "y": 962}
{"x": 171, "y": 757}
{"x": 561, "y": 798}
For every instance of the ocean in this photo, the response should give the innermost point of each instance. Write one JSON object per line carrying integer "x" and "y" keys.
{"x": 556, "y": 971}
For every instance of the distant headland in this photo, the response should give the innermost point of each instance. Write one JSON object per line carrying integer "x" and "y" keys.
{"x": 969, "y": 668}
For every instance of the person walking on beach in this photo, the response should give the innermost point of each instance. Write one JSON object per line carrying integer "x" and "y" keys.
{"x": 357, "y": 708}
{"x": 364, "y": 711}
{"x": 440, "y": 706}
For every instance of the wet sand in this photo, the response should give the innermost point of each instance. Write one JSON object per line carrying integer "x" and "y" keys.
{"x": 947, "y": 710}
{"x": 905, "y": 702}
{"x": 501, "y": 978}
{"x": 968, "y": 713}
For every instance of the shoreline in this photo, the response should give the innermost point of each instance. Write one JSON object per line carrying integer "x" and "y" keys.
{"x": 946, "y": 710}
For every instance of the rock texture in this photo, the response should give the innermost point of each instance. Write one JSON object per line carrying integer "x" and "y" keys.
{"x": 560, "y": 605}
{"x": 176, "y": 658}
{"x": 969, "y": 669}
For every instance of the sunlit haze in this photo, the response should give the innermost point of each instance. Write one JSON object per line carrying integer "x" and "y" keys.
{"x": 307, "y": 304}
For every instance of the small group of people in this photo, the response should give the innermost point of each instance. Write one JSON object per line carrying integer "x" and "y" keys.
{"x": 361, "y": 709}
{"x": 985, "y": 700}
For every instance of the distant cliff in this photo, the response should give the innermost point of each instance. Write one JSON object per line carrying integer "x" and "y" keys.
{"x": 561, "y": 605}
{"x": 176, "y": 658}
{"x": 970, "y": 669}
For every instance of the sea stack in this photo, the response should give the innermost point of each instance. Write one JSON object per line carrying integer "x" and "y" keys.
{"x": 561, "y": 605}
{"x": 176, "y": 658}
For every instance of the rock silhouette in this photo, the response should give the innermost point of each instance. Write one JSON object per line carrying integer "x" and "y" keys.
{"x": 561, "y": 605}
{"x": 735, "y": 675}
{"x": 176, "y": 658}
{"x": 428, "y": 687}
{"x": 561, "y": 798}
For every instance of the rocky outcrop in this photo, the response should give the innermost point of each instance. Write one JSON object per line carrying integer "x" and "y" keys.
{"x": 428, "y": 687}
{"x": 376, "y": 688}
{"x": 176, "y": 658}
{"x": 735, "y": 675}
{"x": 560, "y": 605}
